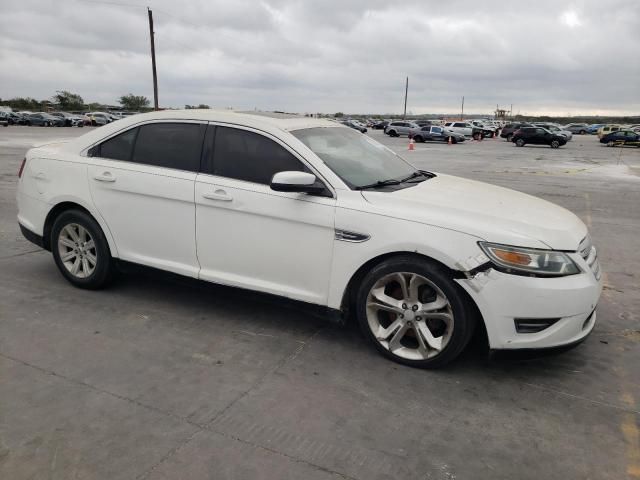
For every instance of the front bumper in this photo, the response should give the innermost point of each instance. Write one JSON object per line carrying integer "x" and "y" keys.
{"x": 502, "y": 298}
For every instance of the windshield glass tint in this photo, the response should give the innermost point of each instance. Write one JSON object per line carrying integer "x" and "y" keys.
{"x": 355, "y": 158}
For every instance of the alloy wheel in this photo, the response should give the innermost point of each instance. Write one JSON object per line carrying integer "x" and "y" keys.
{"x": 409, "y": 316}
{"x": 77, "y": 250}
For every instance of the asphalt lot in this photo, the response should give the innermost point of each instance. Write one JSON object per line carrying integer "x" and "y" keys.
{"x": 164, "y": 378}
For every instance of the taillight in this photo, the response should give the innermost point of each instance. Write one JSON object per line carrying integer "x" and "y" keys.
{"x": 24, "y": 161}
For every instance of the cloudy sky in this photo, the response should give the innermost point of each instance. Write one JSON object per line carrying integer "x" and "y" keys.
{"x": 557, "y": 57}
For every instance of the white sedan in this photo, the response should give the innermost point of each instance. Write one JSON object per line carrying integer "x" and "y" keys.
{"x": 316, "y": 212}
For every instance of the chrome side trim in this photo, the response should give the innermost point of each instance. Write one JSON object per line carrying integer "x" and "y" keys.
{"x": 347, "y": 236}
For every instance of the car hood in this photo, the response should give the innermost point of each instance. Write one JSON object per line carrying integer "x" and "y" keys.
{"x": 486, "y": 211}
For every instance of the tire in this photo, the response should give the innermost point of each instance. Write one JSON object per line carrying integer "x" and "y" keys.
{"x": 67, "y": 230}
{"x": 393, "y": 133}
{"x": 611, "y": 143}
{"x": 436, "y": 287}
{"x": 583, "y": 132}
{"x": 510, "y": 138}
{"x": 520, "y": 142}
{"x": 555, "y": 144}
{"x": 418, "y": 139}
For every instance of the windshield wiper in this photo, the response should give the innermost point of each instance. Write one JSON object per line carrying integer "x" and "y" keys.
{"x": 415, "y": 174}
{"x": 379, "y": 184}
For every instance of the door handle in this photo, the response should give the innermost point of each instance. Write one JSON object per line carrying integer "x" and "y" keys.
{"x": 219, "y": 195}
{"x": 105, "y": 177}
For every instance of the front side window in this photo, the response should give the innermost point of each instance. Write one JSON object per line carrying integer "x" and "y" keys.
{"x": 355, "y": 158}
{"x": 251, "y": 157}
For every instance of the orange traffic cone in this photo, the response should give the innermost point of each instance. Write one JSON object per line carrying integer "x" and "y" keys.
{"x": 412, "y": 144}
{"x": 449, "y": 142}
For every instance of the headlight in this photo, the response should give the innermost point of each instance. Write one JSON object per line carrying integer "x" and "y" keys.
{"x": 530, "y": 260}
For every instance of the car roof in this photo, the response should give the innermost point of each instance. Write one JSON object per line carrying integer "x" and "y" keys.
{"x": 270, "y": 122}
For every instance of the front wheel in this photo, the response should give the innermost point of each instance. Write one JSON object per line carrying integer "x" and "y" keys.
{"x": 583, "y": 132}
{"x": 520, "y": 142}
{"x": 610, "y": 143}
{"x": 81, "y": 251}
{"x": 414, "y": 313}
{"x": 509, "y": 138}
{"x": 555, "y": 144}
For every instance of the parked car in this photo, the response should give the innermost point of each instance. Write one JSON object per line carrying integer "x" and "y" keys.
{"x": 463, "y": 128}
{"x": 355, "y": 125}
{"x": 432, "y": 133}
{"x": 318, "y": 213}
{"x": 69, "y": 119}
{"x": 4, "y": 119}
{"x": 621, "y": 138}
{"x": 403, "y": 127}
{"x": 380, "y": 125}
{"x": 606, "y": 129}
{"x": 486, "y": 130}
{"x": 510, "y": 128}
{"x": 553, "y": 128}
{"x": 537, "y": 136}
{"x": 99, "y": 118}
{"x": 13, "y": 118}
{"x": 579, "y": 128}
{"x": 593, "y": 129}
{"x": 43, "y": 119}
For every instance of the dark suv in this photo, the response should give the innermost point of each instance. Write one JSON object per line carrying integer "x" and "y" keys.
{"x": 537, "y": 136}
{"x": 510, "y": 128}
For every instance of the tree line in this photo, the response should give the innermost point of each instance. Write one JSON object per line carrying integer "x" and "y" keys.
{"x": 68, "y": 101}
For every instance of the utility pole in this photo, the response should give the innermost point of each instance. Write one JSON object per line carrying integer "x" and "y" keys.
{"x": 153, "y": 61}
{"x": 406, "y": 92}
{"x": 462, "y": 111}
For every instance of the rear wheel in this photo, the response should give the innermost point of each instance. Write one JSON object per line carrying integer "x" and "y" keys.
{"x": 509, "y": 138}
{"x": 80, "y": 250}
{"x": 555, "y": 144}
{"x": 583, "y": 132}
{"x": 418, "y": 138}
{"x": 414, "y": 313}
{"x": 610, "y": 143}
{"x": 393, "y": 133}
{"x": 520, "y": 142}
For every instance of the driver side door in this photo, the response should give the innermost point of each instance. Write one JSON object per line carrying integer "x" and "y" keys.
{"x": 253, "y": 237}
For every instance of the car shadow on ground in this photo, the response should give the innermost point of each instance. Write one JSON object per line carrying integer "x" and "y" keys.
{"x": 292, "y": 317}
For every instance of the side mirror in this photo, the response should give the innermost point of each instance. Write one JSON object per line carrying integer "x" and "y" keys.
{"x": 300, "y": 182}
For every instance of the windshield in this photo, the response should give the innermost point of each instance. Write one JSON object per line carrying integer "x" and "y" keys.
{"x": 355, "y": 158}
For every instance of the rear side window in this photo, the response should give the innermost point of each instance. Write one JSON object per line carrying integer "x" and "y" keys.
{"x": 117, "y": 148}
{"x": 170, "y": 145}
{"x": 251, "y": 157}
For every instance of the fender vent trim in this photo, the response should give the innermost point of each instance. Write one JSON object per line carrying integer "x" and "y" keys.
{"x": 347, "y": 236}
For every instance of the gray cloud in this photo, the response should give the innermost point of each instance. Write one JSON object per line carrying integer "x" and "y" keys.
{"x": 329, "y": 55}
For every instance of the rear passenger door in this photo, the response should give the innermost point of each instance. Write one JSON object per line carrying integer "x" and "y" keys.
{"x": 142, "y": 183}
